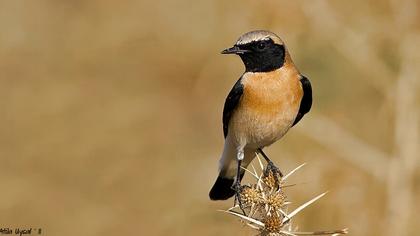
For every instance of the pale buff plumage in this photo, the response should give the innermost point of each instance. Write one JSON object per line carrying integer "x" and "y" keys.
{"x": 258, "y": 35}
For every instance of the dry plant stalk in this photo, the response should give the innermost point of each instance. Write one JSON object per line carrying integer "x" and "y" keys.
{"x": 266, "y": 207}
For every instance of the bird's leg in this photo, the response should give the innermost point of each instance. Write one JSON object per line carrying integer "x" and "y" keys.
{"x": 271, "y": 167}
{"x": 237, "y": 185}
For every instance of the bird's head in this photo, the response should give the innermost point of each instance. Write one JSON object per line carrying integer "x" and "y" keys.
{"x": 260, "y": 50}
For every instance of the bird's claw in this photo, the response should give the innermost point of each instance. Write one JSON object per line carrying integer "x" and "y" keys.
{"x": 277, "y": 174}
{"x": 238, "y": 189}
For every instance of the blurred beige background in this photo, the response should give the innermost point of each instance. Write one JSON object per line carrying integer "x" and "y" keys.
{"x": 111, "y": 113}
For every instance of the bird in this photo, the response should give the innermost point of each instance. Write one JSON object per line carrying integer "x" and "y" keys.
{"x": 269, "y": 98}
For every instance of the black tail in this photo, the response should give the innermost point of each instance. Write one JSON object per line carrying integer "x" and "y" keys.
{"x": 222, "y": 189}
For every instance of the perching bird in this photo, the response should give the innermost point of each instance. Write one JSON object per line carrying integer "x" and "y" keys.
{"x": 268, "y": 99}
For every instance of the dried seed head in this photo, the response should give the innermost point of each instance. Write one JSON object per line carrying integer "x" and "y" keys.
{"x": 276, "y": 200}
{"x": 270, "y": 180}
{"x": 272, "y": 223}
{"x": 251, "y": 195}
{"x": 264, "y": 205}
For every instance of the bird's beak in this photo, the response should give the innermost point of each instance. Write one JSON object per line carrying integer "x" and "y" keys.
{"x": 234, "y": 50}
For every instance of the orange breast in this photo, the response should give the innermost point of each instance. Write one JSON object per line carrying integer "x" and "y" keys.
{"x": 268, "y": 107}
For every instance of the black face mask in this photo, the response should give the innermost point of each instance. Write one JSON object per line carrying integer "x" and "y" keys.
{"x": 262, "y": 56}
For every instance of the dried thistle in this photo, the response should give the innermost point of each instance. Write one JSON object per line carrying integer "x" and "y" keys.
{"x": 265, "y": 205}
{"x": 269, "y": 179}
{"x": 276, "y": 200}
{"x": 251, "y": 195}
{"x": 272, "y": 224}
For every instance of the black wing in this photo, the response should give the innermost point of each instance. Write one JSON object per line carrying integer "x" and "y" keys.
{"x": 231, "y": 103}
{"x": 306, "y": 103}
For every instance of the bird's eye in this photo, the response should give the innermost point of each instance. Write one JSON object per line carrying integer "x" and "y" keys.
{"x": 261, "y": 45}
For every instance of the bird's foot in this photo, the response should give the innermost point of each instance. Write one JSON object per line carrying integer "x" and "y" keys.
{"x": 238, "y": 189}
{"x": 273, "y": 175}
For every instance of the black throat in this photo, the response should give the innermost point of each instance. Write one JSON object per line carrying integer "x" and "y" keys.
{"x": 270, "y": 59}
